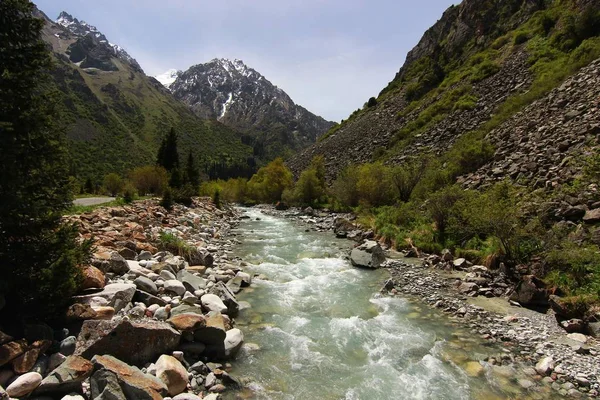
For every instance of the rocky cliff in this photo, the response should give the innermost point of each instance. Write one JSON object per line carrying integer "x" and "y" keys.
{"x": 481, "y": 64}
{"x": 240, "y": 97}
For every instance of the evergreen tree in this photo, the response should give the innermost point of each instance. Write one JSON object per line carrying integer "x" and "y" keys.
{"x": 168, "y": 157}
{"x": 39, "y": 255}
{"x": 192, "y": 172}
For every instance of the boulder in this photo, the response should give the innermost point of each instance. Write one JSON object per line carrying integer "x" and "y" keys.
{"x": 172, "y": 373}
{"x": 245, "y": 277}
{"x": 67, "y": 345}
{"x": 105, "y": 385}
{"x": 235, "y": 284}
{"x": 24, "y": 385}
{"x": 186, "y": 308}
{"x": 26, "y": 361}
{"x": 132, "y": 382}
{"x": 573, "y": 325}
{"x": 148, "y": 299}
{"x": 187, "y": 322}
{"x": 228, "y": 298}
{"x": 367, "y": 255}
{"x": 214, "y": 332}
{"x": 134, "y": 342}
{"x": 460, "y": 263}
{"x": 11, "y": 350}
{"x": 191, "y": 281}
{"x": 213, "y": 302}
{"x": 145, "y": 284}
{"x": 174, "y": 286}
{"x": 93, "y": 278}
{"x": 592, "y": 216}
{"x": 117, "y": 264}
{"x": 531, "y": 291}
{"x": 234, "y": 339}
{"x": 545, "y": 366}
{"x": 67, "y": 377}
{"x": 118, "y": 295}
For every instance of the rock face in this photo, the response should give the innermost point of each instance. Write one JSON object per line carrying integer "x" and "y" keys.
{"x": 240, "y": 97}
{"x": 92, "y": 48}
{"x": 130, "y": 341}
{"x": 531, "y": 291}
{"x": 368, "y": 255}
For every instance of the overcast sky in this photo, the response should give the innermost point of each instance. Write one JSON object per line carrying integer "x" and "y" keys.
{"x": 330, "y": 56}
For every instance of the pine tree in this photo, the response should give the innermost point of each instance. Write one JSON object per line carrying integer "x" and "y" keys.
{"x": 168, "y": 157}
{"x": 39, "y": 255}
{"x": 192, "y": 172}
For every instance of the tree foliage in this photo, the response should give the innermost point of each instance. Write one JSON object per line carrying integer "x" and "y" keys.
{"x": 168, "y": 156}
{"x": 150, "y": 179}
{"x": 268, "y": 184}
{"x": 39, "y": 255}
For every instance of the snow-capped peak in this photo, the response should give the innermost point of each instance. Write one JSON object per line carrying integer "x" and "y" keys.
{"x": 82, "y": 28}
{"x": 167, "y": 78}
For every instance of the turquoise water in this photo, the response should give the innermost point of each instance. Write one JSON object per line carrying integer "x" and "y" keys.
{"x": 317, "y": 328}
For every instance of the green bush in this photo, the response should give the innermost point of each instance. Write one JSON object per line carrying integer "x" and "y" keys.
{"x": 177, "y": 246}
{"x": 344, "y": 188}
{"x": 167, "y": 199}
{"x": 216, "y": 199}
{"x": 484, "y": 70}
{"x": 374, "y": 185}
{"x": 149, "y": 179}
{"x": 372, "y": 102}
{"x": 520, "y": 38}
{"x": 268, "y": 184}
{"x": 575, "y": 269}
{"x": 184, "y": 194}
{"x": 113, "y": 184}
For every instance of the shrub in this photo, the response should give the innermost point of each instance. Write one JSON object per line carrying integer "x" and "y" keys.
{"x": 374, "y": 185}
{"x": 128, "y": 193}
{"x": 575, "y": 269}
{"x": 406, "y": 177}
{"x": 309, "y": 189}
{"x": 372, "y": 102}
{"x": 439, "y": 206}
{"x": 520, "y": 38}
{"x": 270, "y": 181}
{"x": 216, "y": 198}
{"x": 113, "y": 184}
{"x": 177, "y": 246}
{"x": 184, "y": 194}
{"x": 344, "y": 188}
{"x": 167, "y": 199}
{"x": 149, "y": 179}
{"x": 484, "y": 70}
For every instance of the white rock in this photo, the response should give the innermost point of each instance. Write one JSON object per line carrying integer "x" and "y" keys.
{"x": 578, "y": 337}
{"x": 545, "y": 366}
{"x": 234, "y": 339}
{"x": 172, "y": 373}
{"x": 212, "y": 302}
{"x": 24, "y": 384}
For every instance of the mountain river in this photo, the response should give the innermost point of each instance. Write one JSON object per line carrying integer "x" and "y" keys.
{"x": 318, "y": 329}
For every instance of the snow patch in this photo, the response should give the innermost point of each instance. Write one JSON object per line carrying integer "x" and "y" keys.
{"x": 226, "y": 106}
{"x": 167, "y": 78}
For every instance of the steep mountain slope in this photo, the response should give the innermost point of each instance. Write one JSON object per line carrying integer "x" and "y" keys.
{"x": 242, "y": 98}
{"x": 479, "y": 65}
{"x": 116, "y": 116}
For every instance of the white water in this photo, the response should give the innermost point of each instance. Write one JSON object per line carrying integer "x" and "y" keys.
{"x": 324, "y": 333}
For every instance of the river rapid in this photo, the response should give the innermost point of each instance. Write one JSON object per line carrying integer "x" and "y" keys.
{"x": 318, "y": 329}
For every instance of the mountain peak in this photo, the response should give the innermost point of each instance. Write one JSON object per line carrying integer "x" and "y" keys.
{"x": 83, "y": 29}
{"x": 168, "y": 77}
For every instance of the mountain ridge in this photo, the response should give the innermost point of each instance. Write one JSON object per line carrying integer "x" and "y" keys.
{"x": 242, "y": 98}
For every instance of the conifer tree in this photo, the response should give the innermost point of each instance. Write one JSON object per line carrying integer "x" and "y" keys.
{"x": 39, "y": 255}
{"x": 191, "y": 171}
{"x": 168, "y": 157}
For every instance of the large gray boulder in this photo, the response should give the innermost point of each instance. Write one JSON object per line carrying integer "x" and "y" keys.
{"x": 131, "y": 383}
{"x": 191, "y": 281}
{"x": 67, "y": 377}
{"x": 118, "y": 295}
{"x": 134, "y": 342}
{"x": 234, "y": 339}
{"x": 367, "y": 255}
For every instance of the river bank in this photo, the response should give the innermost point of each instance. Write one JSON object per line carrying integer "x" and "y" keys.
{"x": 529, "y": 341}
{"x": 154, "y": 318}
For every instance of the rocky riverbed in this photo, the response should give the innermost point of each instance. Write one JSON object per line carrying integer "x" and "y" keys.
{"x": 154, "y": 318}
{"x": 532, "y": 342}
